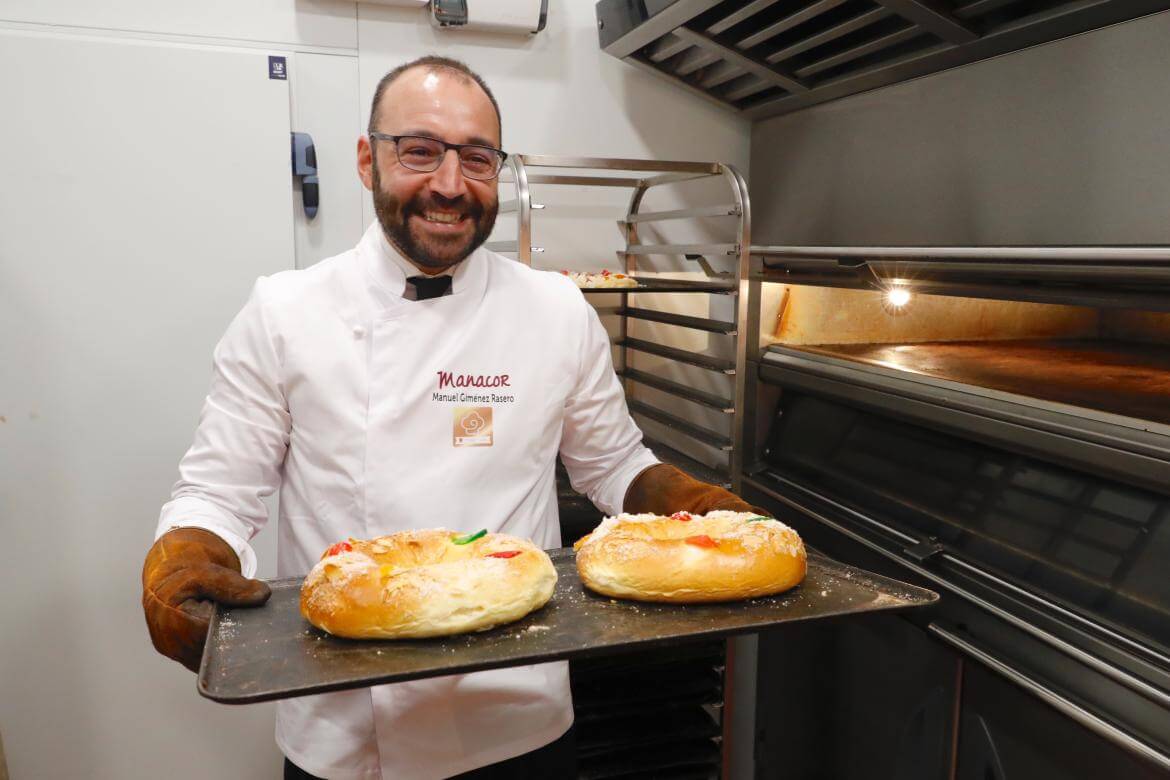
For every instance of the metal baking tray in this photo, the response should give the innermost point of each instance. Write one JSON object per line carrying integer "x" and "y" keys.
{"x": 271, "y": 652}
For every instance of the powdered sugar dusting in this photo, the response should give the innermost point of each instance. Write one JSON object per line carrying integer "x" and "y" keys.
{"x": 720, "y": 524}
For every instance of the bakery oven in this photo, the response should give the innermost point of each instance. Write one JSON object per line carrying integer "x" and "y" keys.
{"x": 992, "y": 423}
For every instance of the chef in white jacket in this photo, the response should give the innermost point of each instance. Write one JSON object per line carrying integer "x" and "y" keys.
{"x": 417, "y": 380}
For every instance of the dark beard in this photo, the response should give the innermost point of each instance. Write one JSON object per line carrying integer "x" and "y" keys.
{"x": 394, "y": 216}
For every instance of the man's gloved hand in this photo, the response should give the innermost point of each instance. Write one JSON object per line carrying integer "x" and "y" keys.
{"x": 664, "y": 490}
{"x": 187, "y": 570}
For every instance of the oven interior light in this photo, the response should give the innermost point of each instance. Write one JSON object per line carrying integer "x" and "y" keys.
{"x": 898, "y": 297}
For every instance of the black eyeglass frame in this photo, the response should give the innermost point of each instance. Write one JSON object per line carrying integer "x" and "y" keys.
{"x": 503, "y": 156}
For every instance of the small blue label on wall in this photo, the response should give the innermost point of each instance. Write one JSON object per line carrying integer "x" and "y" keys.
{"x": 277, "y": 69}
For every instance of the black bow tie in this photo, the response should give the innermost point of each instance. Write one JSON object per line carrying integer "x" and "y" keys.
{"x": 430, "y": 286}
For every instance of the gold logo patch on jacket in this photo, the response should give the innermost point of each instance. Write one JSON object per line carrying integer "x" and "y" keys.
{"x": 473, "y": 426}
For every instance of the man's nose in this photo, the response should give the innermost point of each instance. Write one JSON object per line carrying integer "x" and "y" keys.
{"x": 447, "y": 180}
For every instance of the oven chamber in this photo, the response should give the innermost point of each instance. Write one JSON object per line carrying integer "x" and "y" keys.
{"x": 992, "y": 423}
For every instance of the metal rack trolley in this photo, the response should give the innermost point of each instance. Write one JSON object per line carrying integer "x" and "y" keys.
{"x": 639, "y": 176}
{"x": 608, "y": 172}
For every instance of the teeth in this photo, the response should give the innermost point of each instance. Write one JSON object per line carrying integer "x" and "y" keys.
{"x": 432, "y": 216}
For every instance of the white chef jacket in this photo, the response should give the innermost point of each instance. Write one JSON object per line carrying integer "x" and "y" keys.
{"x": 375, "y": 414}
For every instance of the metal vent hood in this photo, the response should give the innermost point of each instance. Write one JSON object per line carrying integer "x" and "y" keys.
{"x": 763, "y": 58}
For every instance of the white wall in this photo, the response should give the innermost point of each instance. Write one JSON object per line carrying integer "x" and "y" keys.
{"x": 82, "y": 693}
{"x": 328, "y": 23}
{"x": 559, "y": 94}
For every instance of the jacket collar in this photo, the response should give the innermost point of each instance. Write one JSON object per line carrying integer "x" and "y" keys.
{"x": 387, "y": 270}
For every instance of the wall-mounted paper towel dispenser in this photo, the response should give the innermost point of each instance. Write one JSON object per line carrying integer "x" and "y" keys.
{"x": 513, "y": 16}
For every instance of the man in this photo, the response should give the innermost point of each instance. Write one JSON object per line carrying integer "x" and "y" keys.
{"x": 414, "y": 381}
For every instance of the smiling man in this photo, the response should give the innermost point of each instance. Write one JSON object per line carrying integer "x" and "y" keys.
{"x": 434, "y": 221}
{"x": 415, "y": 381}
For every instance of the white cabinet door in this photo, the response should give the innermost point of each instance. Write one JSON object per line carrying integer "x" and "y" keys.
{"x": 145, "y": 186}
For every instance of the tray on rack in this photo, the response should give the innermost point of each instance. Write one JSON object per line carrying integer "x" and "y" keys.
{"x": 271, "y": 652}
{"x": 655, "y": 284}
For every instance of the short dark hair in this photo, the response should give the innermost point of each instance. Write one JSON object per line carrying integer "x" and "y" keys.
{"x": 434, "y": 62}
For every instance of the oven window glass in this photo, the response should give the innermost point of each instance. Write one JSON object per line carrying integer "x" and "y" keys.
{"x": 1111, "y": 361}
{"x": 1099, "y": 547}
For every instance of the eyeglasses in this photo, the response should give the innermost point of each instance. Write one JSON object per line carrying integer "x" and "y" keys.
{"x": 423, "y": 154}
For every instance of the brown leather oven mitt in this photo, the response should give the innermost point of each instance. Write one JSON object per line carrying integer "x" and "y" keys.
{"x": 664, "y": 490}
{"x": 186, "y": 572}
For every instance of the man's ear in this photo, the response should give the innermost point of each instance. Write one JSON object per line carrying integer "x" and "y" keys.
{"x": 365, "y": 162}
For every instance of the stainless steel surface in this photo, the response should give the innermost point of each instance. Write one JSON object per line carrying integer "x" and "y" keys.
{"x": 682, "y": 249}
{"x": 694, "y": 58}
{"x": 685, "y": 427}
{"x": 1133, "y": 277}
{"x": 1097, "y": 295}
{"x": 725, "y": 405}
{"x": 683, "y": 321}
{"x": 739, "y": 713}
{"x": 508, "y": 206}
{"x": 831, "y": 34}
{"x": 686, "y": 86}
{"x": 674, "y": 178}
{"x": 1069, "y": 19}
{"x": 666, "y": 284}
{"x": 990, "y": 181}
{"x": 729, "y": 210}
{"x": 630, "y": 264}
{"x": 743, "y": 14}
{"x": 747, "y": 347}
{"x": 977, "y": 7}
{"x": 1110, "y": 670}
{"x": 507, "y": 247}
{"x": 1134, "y": 450}
{"x": 1078, "y": 713}
{"x": 681, "y": 355}
{"x": 523, "y": 209}
{"x": 1120, "y": 382}
{"x": 747, "y": 305}
{"x": 875, "y": 46}
{"x": 1050, "y": 253}
{"x": 932, "y": 20}
{"x": 618, "y": 164}
{"x": 666, "y": 47}
{"x": 1150, "y": 692}
{"x": 662, "y": 23}
{"x": 912, "y": 272}
{"x": 785, "y": 23}
{"x": 586, "y": 181}
{"x": 730, "y": 669}
{"x": 719, "y": 73}
{"x": 747, "y": 89}
{"x": 769, "y": 73}
{"x": 751, "y": 36}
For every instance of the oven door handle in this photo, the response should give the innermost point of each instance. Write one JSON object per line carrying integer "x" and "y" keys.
{"x": 1094, "y": 723}
{"x": 1145, "y": 689}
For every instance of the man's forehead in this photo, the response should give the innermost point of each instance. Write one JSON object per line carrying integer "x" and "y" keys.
{"x": 449, "y": 103}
